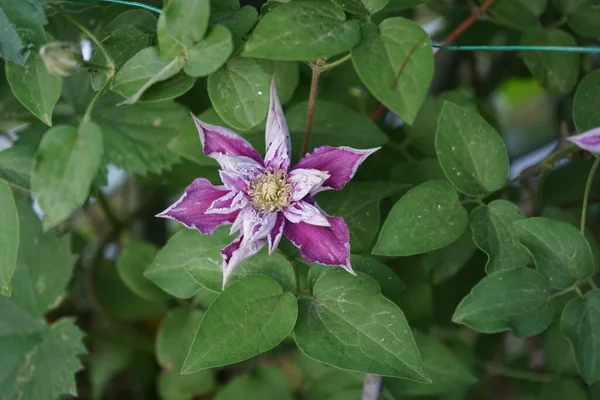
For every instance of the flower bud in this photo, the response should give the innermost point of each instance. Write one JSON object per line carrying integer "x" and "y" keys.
{"x": 62, "y": 58}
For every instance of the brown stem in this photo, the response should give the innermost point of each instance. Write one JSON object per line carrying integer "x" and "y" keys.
{"x": 314, "y": 83}
{"x": 470, "y": 20}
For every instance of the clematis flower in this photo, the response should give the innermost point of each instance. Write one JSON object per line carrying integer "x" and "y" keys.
{"x": 589, "y": 140}
{"x": 264, "y": 199}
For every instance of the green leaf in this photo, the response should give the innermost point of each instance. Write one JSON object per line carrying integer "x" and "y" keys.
{"x": 169, "y": 270}
{"x": 42, "y": 362}
{"x": 333, "y": 125}
{"x": 175, "y": 336}
{"x": 557, "y": 72}
{"x": 559, "y": 250}
{"x": 582, "y": 16}
{"x": 470, "y": 151}
{"x": 349, "y": 325}
{"x": 169, "y": 89}
{"x": 558, "y": 355}
{"x": 517, "y": 14}
{"x": 238, "y": 20}
{"x": 9, "y": 238}
{"x": 563, "y": 388}
{"x": 239, "y": 91}
{"x": 15, "y": 165}
{"x": 580, "y": 322}
{"x": 65, "y": 166}
{"x": 136, "y": 136}
{"x": 174, "y": 386}
{"x": 191, "y": 260}
{"x": 586, "y": 103}
{"x": 287, "y": 76}
{"x": 142, "y": 71}
{"x": 109, "y": 360}
{"x": 358, "y": 203}
{"x": 253, "y": 315}
{"x": 305, "y": 30}
{"x": 515, "y": 299}
{"x": 22, "y": 26}
{"x": 446, "y": 262}
{"x": 390, "y": 284}
{"x": 210, "y": 54}
{"x": 426, "y": 218}
{"x": 132, "y": 263}
{"x": 265, "y": 382}
{"x": 38, "y": 360}
{"x": 446, "y": 370}
{"x": 361, "y": 7}
{"x": 34, "y": 86}
{"x": 494, "y": 233}
{"x": 422, "y": 132}
{"x": 185, "y": 21}
{"x": 123, "y": 37}
{"x": 402, "y": 51}
{"x": 399, "y": 5}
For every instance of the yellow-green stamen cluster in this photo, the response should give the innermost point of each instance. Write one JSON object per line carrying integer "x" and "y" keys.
{"x": 270, "y": 191}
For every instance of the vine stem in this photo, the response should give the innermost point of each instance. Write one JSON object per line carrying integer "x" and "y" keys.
{"x": 371, "y": 387}
{"x": 335, "y": 63}
{"x": 314, "y": 83}
{"x": 90, "y": 108}
{"x": 586, "y": 193}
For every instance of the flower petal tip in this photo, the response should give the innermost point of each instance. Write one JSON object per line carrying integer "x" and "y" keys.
{"x": 589, "y": 140}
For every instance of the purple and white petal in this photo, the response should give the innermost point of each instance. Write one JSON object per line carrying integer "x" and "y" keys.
{"x": 340, "y": 163}
{"x": 219, "y": 140}
{"x": 589, "y": 140}
{"x": 303, "y": 211}
{"x": 257, "y": 225}
{"x": 236, "y": 252}
{"x": 233, "y": 181}
{"x": 277, "y": 135}
{"x": 324, "y": 245}
{"x": 229, "y": 203}
{"x": 305, "y": 181}
{"x": 239, "y": 220}
{"x": 276, "y": 233}
{"x": 243, "y": 167}
{"x": 190, "y": 209}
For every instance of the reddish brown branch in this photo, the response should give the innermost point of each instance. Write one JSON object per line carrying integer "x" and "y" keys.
{"x": 470, "y": 20}
{"x": 463, "y": 26}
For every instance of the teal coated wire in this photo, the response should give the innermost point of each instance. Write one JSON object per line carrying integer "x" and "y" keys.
{"x": 127, "y": 3}
{"x": 563, "y": 49}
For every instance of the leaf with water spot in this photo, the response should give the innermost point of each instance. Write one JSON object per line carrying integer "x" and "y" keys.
{"x": 350, "y": 325}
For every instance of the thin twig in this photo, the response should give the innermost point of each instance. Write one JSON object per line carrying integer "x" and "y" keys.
{"x": 314, "y": 83}
{"x": 586, "y": 193}
{"x": 470, "y": 20}
{"x": 371, "y": 387}
{"x": 335, "y": 63}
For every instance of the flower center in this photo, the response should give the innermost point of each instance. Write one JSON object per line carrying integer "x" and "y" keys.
{"x": 270, "y": 191}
